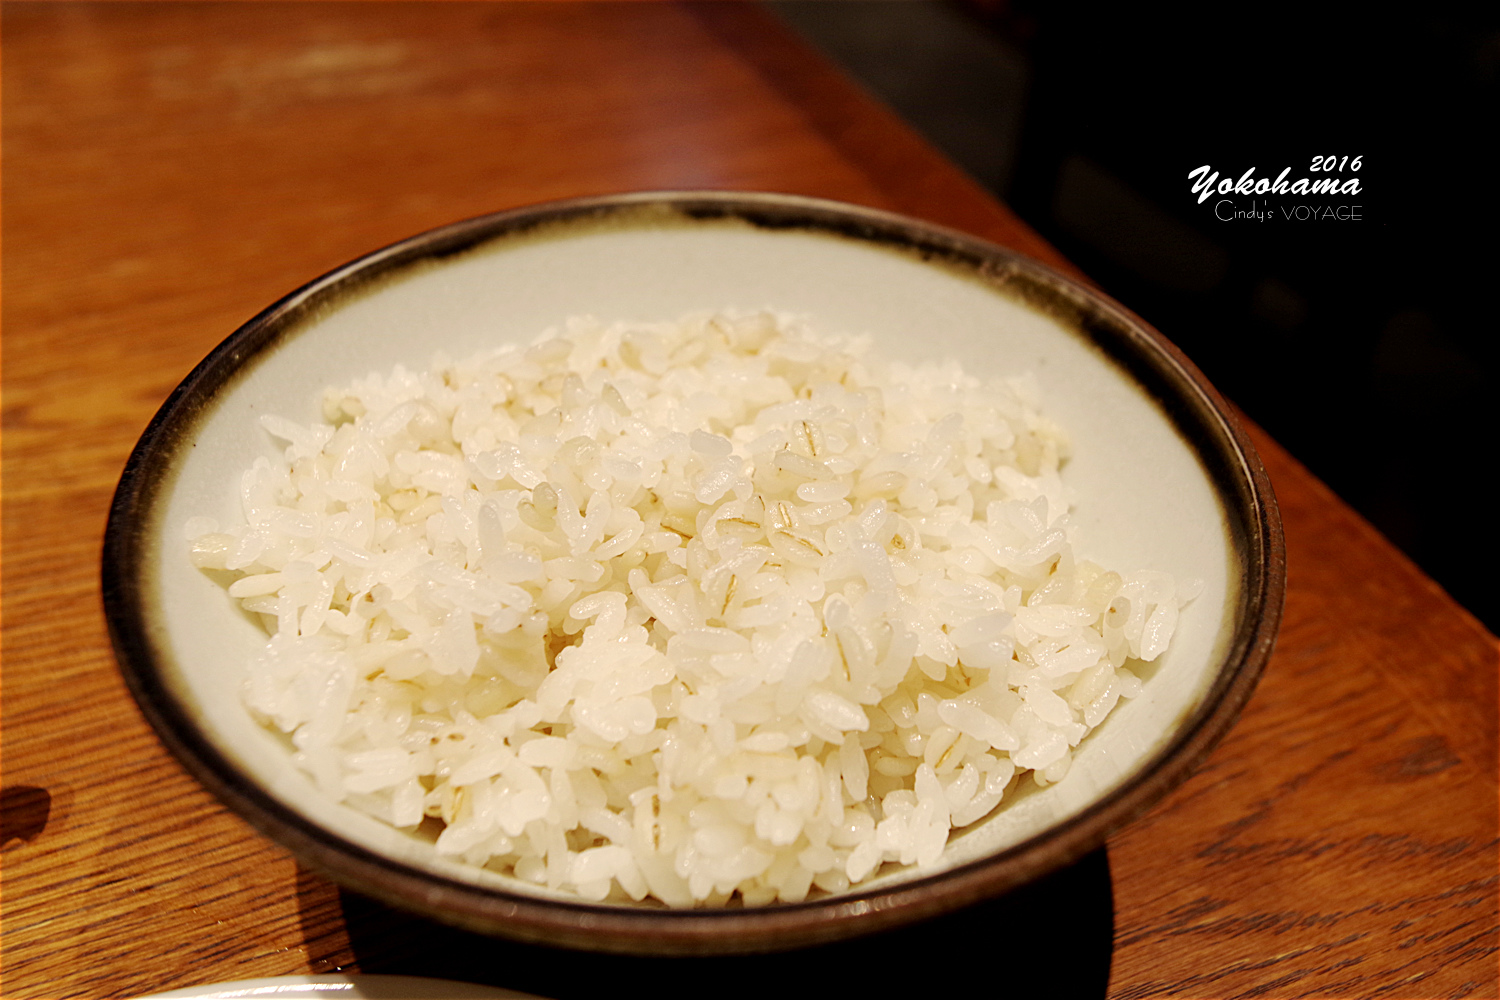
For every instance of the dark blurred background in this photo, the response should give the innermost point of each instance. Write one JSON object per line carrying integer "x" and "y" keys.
{"x": 1367, "y": 347}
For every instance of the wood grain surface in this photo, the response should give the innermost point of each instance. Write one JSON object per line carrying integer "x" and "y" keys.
{"x": 169, "y": 169}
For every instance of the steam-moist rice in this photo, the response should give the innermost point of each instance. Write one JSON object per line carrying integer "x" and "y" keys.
{"x": 683, "y": 610}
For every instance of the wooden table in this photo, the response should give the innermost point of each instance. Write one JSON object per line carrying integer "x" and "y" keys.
{"x": 169, "y": 169}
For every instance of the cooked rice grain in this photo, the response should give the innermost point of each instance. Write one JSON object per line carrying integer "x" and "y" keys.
{"x": 683, "y": 610}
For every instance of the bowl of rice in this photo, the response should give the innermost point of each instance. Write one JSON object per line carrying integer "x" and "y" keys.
{"x": 692, "y": 572}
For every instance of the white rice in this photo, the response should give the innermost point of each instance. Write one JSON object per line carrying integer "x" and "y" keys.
{"x": 683, "y": 610}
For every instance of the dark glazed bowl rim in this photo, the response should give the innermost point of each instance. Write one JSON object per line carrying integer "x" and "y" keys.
{"x": 1193, "y": 407}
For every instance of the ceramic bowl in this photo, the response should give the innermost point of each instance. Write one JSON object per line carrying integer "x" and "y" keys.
{"x": 1164, "y": 475}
